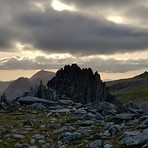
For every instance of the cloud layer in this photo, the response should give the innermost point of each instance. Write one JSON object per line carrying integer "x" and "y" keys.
{"x": 98, "y": 64}
{"x": 85, "y": 31}
{"x": 96, "y": 27}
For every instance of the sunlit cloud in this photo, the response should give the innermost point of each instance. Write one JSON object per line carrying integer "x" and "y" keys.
{"x": 59, "y": 6}
{"x": 116, "y": 19}
{"x": 52, "y": 33}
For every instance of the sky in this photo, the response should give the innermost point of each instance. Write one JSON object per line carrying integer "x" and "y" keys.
{"x": 110, "y": 36}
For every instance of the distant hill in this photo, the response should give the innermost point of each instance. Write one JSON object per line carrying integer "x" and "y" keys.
{"x": 133, "y": 89}
{"x": 143, "y": 76}
{"x": 18, "y": 87}
{"x": 43, "y": 75}
{"x": 4, "y": 85}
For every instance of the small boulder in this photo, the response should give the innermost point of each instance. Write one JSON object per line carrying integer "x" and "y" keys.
{"x": 39, "y": 106}
{"x": 95, "y": 144}
{"x": 124, "y": 116}
{"x": 38, "y": 137}
{"x": 107, "y": 146}
{"x": 18, "y": 136}
{"x": 72, "y": 136}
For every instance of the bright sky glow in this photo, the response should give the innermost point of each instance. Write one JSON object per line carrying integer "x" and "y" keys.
{"x": 108, "y": 36}
{"x": 116, "y": 19}
{"x": 59, "y": 6}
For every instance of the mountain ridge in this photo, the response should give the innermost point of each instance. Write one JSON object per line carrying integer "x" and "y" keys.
{"x": 42, "y": 75}
{"x": 17, "y": 87}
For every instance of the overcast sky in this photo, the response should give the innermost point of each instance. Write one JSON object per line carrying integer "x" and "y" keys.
{"x": 110, "y": 36}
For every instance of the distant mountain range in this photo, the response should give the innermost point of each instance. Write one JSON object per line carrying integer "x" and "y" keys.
{"x": 16, "y": 88}
{"x": 133, "y": 89}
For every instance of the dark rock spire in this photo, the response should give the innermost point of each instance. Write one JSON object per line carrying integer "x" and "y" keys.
{"x": 81, "y": 85}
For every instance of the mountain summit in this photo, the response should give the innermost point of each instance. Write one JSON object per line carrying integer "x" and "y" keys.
{"x": 18, "y": 87}
{"x": 43, "y": 75}
{"x": 143, "y": 75}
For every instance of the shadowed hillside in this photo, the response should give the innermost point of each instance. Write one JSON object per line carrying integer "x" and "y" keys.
{"x": 21, "y": 85}
{"x": 43, "y": 75}
{"x": 133, "y": 89}
{"x": 4, "y": 85}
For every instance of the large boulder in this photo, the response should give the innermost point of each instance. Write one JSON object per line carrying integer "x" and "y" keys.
{"x": 135, "y": 138}
{"x": 28, "y": 100}
{"x": 81, "y": 85}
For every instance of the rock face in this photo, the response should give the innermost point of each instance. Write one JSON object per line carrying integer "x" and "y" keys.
{"x": 3, "y": 101}
{"x": 43, "y": 92}
{"x": 81, "y": 85}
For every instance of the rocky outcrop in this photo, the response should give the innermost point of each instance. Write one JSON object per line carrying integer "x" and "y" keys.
{"x": 42, "y": 92}
{"x": 73, "y": 83}
{"x": 81, "y": 85}
{"x": 3, "y": 101}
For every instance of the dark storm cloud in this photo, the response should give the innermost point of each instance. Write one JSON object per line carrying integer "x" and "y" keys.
{"x": 97, "y": 64}
{"x": 116, "y": 66}
{"x": 71, "y": 32}
{"x": 40, "y": 62}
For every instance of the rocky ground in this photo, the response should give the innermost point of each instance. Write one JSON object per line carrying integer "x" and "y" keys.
{"x": 69, "y": 125}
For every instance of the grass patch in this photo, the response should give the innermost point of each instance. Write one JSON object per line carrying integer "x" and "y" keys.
{"x": 137, "y": 95}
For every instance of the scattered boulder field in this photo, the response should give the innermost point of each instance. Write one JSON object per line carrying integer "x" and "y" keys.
{"x": 73, "y": 125}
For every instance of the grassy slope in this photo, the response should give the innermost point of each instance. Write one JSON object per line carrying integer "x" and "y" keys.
{"x": 138, "y": 95}
{"x": 133, "y": 89}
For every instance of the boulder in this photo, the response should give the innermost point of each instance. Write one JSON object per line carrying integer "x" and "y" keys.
{"x": 144, "y": 124}
{"x": 95, "y": 144}
{"x": 18, "y": 136}
{"x": 71, "y": 136}
{"x": 38, "y": 137}
{"x": 113, "y": 128}
{"x": 135, "y": 138}
{"x": 107, "y": 146}
{"x": 28, "y": 100}
{"x": 39, "y": 106}
{"x": 125, "y": 116}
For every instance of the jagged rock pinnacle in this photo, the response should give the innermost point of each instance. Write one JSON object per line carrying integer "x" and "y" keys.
{"x": 81, "y": 85}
